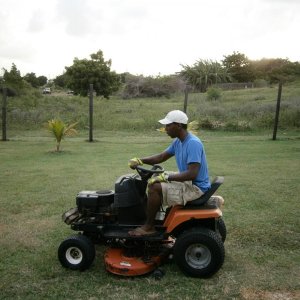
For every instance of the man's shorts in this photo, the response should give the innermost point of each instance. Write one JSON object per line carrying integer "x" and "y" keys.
{"x": 179, "y": 193}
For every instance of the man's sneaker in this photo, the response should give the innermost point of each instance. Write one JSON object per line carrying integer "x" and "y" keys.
{"x": 217, "y": 201}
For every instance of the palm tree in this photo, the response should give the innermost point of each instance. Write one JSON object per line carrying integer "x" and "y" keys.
{"x": 204, "y": 73}
{"x": 60, "y": 130}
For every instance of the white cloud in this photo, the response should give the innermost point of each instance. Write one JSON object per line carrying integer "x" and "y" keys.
{"x": 75, "y": 15}
{"x": 143, "y": 36}
{"x": 37, "y": 21}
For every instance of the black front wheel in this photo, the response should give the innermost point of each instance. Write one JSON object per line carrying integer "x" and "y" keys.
{"x": 199, "y": 252}
{"x": 76, "y": 252}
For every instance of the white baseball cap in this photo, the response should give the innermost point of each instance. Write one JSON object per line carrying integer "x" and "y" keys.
{"x": 175, "y": 116}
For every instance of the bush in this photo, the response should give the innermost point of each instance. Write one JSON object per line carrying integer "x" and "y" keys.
{"x": 290, "y": 115}
{"x": 265, "y": 121}
{"x": 208, "y": 123}
{"x": 257, "y": 98}
{"x": 237, "y": 125}
{"x": 213, "y": 93}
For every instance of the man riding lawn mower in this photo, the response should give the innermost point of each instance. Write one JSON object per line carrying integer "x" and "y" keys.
{"x": 136, "y": 225}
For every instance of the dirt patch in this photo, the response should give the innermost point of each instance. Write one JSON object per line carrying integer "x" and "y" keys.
{"x": 249, "y": 294}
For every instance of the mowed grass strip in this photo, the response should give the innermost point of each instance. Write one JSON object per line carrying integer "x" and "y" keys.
{"x": 261, "y": 192}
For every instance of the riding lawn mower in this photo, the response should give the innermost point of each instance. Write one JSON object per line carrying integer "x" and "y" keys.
{"x": 192, "y": 235}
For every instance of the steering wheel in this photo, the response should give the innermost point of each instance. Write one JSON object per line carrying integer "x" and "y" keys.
{"x": 143, "y": 172}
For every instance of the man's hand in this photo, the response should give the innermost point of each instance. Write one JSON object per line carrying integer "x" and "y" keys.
{"x": 163, "y": 177}
{"x": 134, "y": 162}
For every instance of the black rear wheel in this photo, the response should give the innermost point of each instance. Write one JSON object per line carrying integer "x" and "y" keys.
{"x": 76, "y": 252}
{"x": 222, "y": 229}
{"x": 199, "y": 252}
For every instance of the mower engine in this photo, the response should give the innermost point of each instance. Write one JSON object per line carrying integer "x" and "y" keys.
{"x": 93, "y": 207}
{"x": 125, "y": 205}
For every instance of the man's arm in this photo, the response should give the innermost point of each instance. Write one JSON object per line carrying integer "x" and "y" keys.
{"x": 156, "y": 159}
{"x": 188, "y": 175}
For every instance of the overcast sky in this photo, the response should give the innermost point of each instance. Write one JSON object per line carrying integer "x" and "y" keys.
{"x": 148, "y": 37}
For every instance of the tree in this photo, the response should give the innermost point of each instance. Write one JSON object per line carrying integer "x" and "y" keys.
{"x": 35, "y": 81}
{"x": 95, "y": 71}
{"x": 239, "y": 66}
{"x": 61, "y": 80}
{"x": 42, "y": 80}
{"x": 32, "y": 79}
{"x": 276, "y": 69}
{"x": 13, "y": 79}
{"x": 159, "y": 86}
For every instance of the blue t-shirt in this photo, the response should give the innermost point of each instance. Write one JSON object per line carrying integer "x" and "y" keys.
{"x": 189, "y": 151}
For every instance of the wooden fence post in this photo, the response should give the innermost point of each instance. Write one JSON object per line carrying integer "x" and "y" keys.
{"x": 4, "y": 109}
{"x": 277, "y": 110}
{"x": 91, "y": 104}
{"x": 186, "y": 95}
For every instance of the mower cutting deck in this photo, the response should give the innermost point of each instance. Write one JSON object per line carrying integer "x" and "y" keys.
{"x": 129, "y": 262}
{"x": 139, "y": 255}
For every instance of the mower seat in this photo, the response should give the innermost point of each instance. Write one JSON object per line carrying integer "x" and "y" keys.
{"x": 215, "y": 184}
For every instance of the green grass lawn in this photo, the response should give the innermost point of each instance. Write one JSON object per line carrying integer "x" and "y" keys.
{"x": 261, "y": 192}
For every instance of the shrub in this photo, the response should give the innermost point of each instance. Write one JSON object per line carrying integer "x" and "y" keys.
{"x": 238, "y": 125}
{"x": 259, "y": 98}
{"x": 213, "y": 93}
{"x": 210, "y": 124}
{"x": 265, "y": 120}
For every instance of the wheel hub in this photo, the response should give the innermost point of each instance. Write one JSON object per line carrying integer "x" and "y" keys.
{"x": 198, "y": 256}
{"x": 74, "y": 255}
